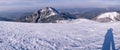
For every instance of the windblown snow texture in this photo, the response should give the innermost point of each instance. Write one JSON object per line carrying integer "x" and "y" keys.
{"x": 86, "y": 35}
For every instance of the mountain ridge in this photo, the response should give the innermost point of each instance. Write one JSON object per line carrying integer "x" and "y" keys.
{"x": 109, "y": 17}
{"x": 46, "y": 15}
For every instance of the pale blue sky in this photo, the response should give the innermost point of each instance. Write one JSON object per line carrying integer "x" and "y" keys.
{"x": 24, "y": 4}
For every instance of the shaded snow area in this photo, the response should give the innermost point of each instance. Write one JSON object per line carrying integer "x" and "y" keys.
{"x": 85, "y": 35}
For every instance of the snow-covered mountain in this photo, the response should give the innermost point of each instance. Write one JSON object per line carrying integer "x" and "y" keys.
{"x": 49, "y": 11}
{"x": 56, "y": 36}
{"x": 47, "y": 15}
{"x": 109, "y": 17}
{"x": 51, "y": 15}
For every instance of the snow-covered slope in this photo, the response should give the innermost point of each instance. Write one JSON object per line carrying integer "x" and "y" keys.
{"x": 51, "y": 11}
{"x": 87, "y": 35}
{"x": 109, "y": 17}
{"x": 76, "y": 21}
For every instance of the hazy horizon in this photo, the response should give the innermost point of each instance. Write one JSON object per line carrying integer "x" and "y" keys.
{"x": 6, "y": 5}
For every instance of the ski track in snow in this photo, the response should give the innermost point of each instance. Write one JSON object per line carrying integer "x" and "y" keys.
{"x": 72, "y": 36}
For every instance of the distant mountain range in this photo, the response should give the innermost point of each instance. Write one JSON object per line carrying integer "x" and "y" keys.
{"x": 52, "y": 15}
{"x": 46, "y": 15}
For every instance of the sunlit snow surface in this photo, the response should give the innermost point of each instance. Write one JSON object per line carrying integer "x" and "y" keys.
{"x": 110, "y": 15}
{"x": 83, "y": 35}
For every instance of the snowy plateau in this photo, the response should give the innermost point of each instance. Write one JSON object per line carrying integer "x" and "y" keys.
{"x": 81, "y": 34}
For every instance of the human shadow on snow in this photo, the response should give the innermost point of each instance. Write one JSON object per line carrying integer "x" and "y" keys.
{"x": 109, "y": 41}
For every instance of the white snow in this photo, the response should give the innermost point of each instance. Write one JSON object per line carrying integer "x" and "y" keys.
{"x": 52, "y": 13}
{"x": 85, "y": 35}
{"x": 50, "y": 10}
{"x": 111, "y": 15}
{"x": 75, "y": 21}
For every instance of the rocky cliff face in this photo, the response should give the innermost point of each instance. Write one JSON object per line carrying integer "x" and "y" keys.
{"x": 46, "y": 15}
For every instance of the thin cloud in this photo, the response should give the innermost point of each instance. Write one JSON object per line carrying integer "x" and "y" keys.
{"x": 18, "y": 4}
